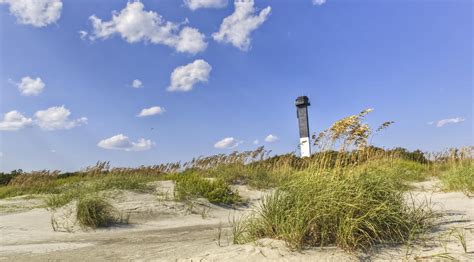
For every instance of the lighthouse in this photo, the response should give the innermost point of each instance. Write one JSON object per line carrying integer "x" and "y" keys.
{"x": 302, "y": 104}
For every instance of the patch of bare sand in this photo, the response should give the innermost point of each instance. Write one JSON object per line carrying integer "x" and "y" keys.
{"x": 455, "y": 222}
{"x": 164, "y": 230}
{"x": 19, "y": 204}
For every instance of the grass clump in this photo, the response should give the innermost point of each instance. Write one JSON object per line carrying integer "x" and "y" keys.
{"x": 54, "y": 201}
{"x": 351, "y": 211}
{"x": 189, "y": 186}
{"x": 95, "y": 212}
{"x": 400, "y": 171}
{"x": 459, "y": 178}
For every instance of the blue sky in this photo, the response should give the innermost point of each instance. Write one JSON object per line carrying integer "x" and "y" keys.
{"x": 227, "y": 75}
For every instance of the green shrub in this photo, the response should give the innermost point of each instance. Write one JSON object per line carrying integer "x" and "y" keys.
{"x": 94, "y": 212}
{"x": 415, "y": 156}
{"x": 217, "y": 191}
{"x": 5, "y": 178}
{"x": 352, "y": 211}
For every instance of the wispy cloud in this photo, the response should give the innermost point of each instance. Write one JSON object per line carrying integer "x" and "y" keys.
{"x": 82, "y": 34}
{"x": 318, "y": 2}
{"x": 137, "y": 83}
{"x": 154, "y": 110}
{"x": 443, "y": 122}
{"x": 196, "y": 4}
{"x": 271, "y": 138}
{"x": 227, "y": 143}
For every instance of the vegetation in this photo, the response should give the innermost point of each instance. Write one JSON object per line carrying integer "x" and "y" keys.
{"x": 459, "y": 178}
{"x": 6, "y": 178}
{"x": 47, "y": 182}
{"x": 349, "y": 193}
{"x": 94, "y": 212}
{"x": 352, "y": 211}
{"x": 194, "y": 186}
{"x": 352, "y": 199}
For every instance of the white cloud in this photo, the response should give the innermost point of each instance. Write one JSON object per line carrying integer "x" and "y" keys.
{"x": 443, "y": 122}
{"x": 14, "y": 120}
{"x": 271, "y": 138}
{"x": 137, "y": 83}
{"x": 256, "y": 142}
{"x": 237, "y": 27}
{"x": 227, "y": 143}
{"x": 196, "y": 4}
{"x": 318, "y": 2}
{"x": 29, "y": 86}
{"x": 134, "y": 24}
{"x": 190, "y": 40}
{"x": 185, "y": 77}
{"x": 155, "y": 110}
{"x": 38, "y": 13}
{"x": 121, "y": 142}
{"x": 53, "y": 118}
{"x": 56, "y": 118}
{"x": 83, "y": 34}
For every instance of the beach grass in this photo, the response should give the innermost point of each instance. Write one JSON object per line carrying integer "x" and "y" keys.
{"x": 349, "y": 193}
{"x": 95, "y": 212}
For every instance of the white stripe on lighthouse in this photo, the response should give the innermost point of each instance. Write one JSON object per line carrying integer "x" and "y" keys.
{"x": 305, "y": 147}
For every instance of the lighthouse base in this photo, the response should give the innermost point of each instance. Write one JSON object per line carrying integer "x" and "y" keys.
{"x": 305, "y": 147}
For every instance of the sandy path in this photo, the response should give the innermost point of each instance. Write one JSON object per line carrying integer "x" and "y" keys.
{"x": 163, "y": 230}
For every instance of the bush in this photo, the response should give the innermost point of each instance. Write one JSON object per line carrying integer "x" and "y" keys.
{"x": 217, "y": 191}
{"x": 415, "y": 156}
{"x": 5, "y": 178}
{"x": 94, "y": 212}
{"x": 352, "y": 211}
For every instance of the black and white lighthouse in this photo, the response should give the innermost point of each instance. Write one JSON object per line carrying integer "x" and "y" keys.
{"x": 302, "y": 104}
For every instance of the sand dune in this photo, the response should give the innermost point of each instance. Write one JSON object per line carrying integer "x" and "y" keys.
{"x": 161, "y": 229}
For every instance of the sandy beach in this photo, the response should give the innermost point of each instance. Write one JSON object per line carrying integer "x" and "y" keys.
{"x": 161, "y": 229}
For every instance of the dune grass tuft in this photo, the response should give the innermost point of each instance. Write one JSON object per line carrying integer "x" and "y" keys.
{"x": 95, "y": 212}
{"x": 351, "y": 211}
{"x": 217, "y": 191}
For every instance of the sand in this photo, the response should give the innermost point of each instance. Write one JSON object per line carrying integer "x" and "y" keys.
{"x": 161, "y": 229}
